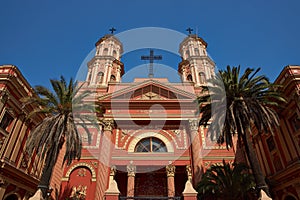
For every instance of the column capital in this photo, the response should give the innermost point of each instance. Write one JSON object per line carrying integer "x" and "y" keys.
{"x": 193, "y": 124}
{"x": 170, "y": 169}
{"x": 108, "y": 124}
{"x": 3, "y": 182}
{"x": 131, "y": 169}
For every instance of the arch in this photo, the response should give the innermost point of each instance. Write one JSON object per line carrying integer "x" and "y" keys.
{"x": 150, "y": 144}
{"x": 105, "y": 52}
{"x": 189, "y": 78}
{"x": 67, "y": 176}
{"x": 202, "y": 77}
{"x": 100, "y": 76}
{"x": 12, "y": 196}
{"x": 112, "y": 78}
{"x": 197, "y": 52}
{"x": 187, "y": 53}
{"x": 114, "y": 53}
{"x": 133, "y": 143}
{"x": 289, "y": 197}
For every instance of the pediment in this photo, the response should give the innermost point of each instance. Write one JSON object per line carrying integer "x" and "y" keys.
{"x": 151, "y": 90}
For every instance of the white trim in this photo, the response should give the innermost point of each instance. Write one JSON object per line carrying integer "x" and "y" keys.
{"x": 134, "y": 142}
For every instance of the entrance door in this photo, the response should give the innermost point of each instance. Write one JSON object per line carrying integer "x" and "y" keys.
{"x": 151, "y": 184}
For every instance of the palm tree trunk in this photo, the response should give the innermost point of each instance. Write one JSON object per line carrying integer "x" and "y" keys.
{"x": 254, "y": 163}
{"x": 47, "y": 172}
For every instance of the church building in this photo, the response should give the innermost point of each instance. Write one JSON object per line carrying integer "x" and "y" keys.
{"x": 149, "y": 144}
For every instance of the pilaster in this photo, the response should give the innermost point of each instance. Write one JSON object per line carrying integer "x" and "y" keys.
{"x": 131, "y": 170}
{"x": 170, "y": 169}
{"x": 196, "y": 150}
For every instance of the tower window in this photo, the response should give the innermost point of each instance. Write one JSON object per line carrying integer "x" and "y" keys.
{"x": 187, "y": 53}
{"x": 189, "y": 78}
{"x": 100, "y": 77}
{"x": 202, "y": 78}
{"x": 112, "y": 78}
{"x": 105, "y": 52}
{"x": 197, "y": 52}
{"x": 295, "y": 122}
{"x": 114, "y": 54}
{"x": 6, "y": 120}
{"x": 150, "y": 144}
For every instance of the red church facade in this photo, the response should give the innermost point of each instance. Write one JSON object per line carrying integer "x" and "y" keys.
{"x": 150, "y": 144}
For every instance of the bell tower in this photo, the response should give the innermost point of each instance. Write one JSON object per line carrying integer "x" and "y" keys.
{"x": 105, "y": 67}
{"x": 196, "y": 66}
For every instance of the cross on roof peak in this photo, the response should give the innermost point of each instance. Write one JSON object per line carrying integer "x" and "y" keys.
{"x": 112, "y": 30}
{"x": 189, "y": 29}
{"x": 151, "y": 58}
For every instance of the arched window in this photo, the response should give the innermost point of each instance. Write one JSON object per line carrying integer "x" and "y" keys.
{"x": 189, "y": 78}
{"x": 112, "y": 78}
{"x": 150, "y": 144}
{"x": 114, "y": 53}
{"x": 187, "y": 53}
{"x": 100, "y": 77}
{"x": 197, "y": 53}
{"x": 202, "y": 78}
{"x": 105, "y": 52}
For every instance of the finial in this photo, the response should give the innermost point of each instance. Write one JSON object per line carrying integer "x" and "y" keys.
{"x": 112, "y": 30}
{"x": 189, "y": 30}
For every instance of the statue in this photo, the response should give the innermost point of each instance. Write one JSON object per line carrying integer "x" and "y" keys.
{"x": 189, "y": 172}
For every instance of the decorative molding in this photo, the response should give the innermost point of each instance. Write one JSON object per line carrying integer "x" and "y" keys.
{"x": 3, "y": 182}
{"x": 193, "y": 124}
{"x": 133, "y": 143}
{"x": 170, "y": 169}
{"x": 205, "y": 146}
{"x": 67, "y": 176}
{"x": 108, "y": 124}
{"x": 131, "y": 169}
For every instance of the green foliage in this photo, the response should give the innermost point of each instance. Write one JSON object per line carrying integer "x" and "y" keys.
{"x": 226, "y": 182}
{"x": 233, "y": 102}
{"x": 236, "y": 103}
{"x": 65, "y": 108}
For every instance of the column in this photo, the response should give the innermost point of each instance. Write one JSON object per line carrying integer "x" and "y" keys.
{"x": 3, "y": 186}
{"x": 107, "y": 145}
{"x": 196, "y": 150}
{"x": 104, "y": 157}
{"x": 170, "y": 169}
{"x": 131, "y": 169}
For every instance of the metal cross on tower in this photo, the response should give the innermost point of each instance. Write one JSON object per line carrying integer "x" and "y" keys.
{"x": 189, "y": 30}
{"x": 151, "y": 58}
{"x": 112, "y": 30}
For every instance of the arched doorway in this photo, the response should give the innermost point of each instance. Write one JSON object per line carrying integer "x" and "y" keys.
{"x": 290, "y": 198}
{"x": 12, "y": 197}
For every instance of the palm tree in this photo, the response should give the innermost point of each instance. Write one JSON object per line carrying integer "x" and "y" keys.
{"x": 63, "y": 110}
{"x": 235, "y": 103}
{"x": 226, "y": 182}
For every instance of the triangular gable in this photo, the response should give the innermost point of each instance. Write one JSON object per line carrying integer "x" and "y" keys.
{"x": 150, "y": 90}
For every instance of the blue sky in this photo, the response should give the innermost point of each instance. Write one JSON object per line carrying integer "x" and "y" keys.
{"x": 46, "y": 39}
